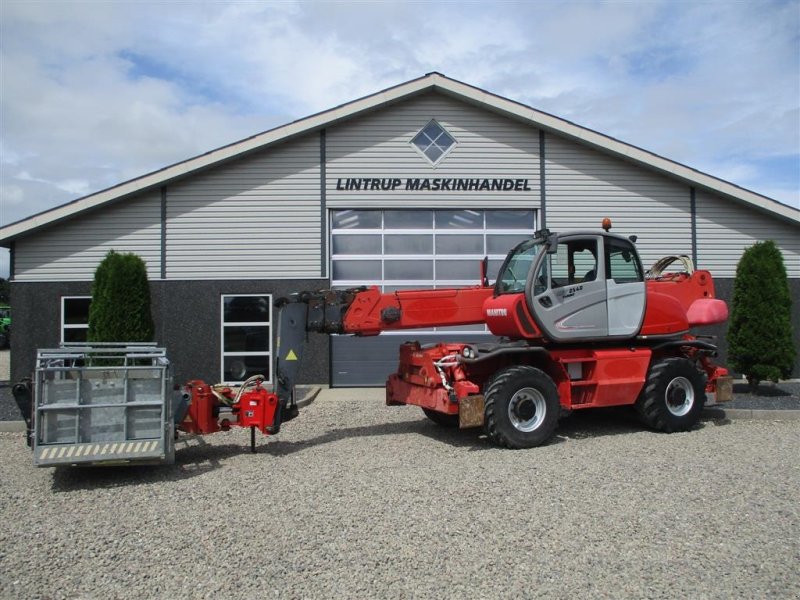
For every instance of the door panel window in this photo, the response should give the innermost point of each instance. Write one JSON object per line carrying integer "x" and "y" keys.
{"x": 356, "y": 219}
{"x": 356, "y": 244}
{"x": 408, "y": 244}
{"x": 408, "y": 269}
{"x": 459, "y": 219}
{"x": 408, "y": 219}
{"x": 459, "y": 244}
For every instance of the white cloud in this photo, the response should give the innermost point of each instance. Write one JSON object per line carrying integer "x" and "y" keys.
{"x": 94, "y": 93}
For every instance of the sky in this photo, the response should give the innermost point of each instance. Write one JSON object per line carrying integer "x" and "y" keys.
{"x": 96, "y": 93}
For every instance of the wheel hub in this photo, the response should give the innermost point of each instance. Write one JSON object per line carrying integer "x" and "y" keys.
{"x": 527, "y": 409}
{"x": 679, "y": 396}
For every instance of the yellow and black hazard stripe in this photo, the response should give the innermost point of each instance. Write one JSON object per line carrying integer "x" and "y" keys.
{"x": 101, "y": 450}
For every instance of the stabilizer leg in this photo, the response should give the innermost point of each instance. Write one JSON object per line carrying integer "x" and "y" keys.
{"x": 291, "y": 347}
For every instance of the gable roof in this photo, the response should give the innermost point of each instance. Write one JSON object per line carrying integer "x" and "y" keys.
{"x": 430, "y": 82}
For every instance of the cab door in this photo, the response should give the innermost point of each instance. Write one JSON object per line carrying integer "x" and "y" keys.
{"x": 626, "y": 288}
{"x": 567, "y": 293}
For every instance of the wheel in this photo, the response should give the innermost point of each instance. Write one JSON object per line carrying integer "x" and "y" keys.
{"x": 673, "y": 396}
{"x": 521, "y": 407}
{"x": 441, "y": 418}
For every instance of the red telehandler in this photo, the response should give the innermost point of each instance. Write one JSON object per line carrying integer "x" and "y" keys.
{"x": 579, "y": 325}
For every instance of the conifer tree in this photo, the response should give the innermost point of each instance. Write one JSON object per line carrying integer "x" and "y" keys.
{"x": 760, "y": 342}
{"x": 120, "y": 308}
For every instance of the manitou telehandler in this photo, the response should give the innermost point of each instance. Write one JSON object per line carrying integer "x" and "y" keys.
{"x": 579, "y": 324}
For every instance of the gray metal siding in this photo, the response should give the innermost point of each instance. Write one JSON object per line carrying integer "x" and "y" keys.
{"x": 379, "y": 145}
{"x": 258, "y": 217}
{"x": 584, "y": 185}
{"x": 71, "y": 250}
{"x": 725, "y": 229}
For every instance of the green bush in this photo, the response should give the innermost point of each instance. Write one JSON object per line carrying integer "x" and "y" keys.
{"x": 120, "y": 308}
{"x": 760, "y": 330}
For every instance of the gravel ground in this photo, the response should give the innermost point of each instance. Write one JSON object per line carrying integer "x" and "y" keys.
{"x": 769, "y": 396}
{"x": 354, "y": 499}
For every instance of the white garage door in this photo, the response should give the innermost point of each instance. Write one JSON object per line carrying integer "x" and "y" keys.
{"x": 413, "y": 249}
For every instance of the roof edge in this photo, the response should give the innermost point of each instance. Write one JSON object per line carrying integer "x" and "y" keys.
{"x": 224, "y": 153}
{"x": 432, "y": 80}
{"x": 622, "y": 149}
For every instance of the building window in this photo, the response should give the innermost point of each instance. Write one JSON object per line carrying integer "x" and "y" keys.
{"x": 433, "y": 142}
{"x": 418, "y": 249}
{"x": 75, "y": 318}
{"x": 246, "y": 337}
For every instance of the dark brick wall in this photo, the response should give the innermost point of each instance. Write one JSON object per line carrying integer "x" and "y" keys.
{"x": 187, "y": 318}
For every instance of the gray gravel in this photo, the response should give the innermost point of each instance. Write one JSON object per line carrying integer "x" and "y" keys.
{"x": 354, "y": 499}
{"x": 784, "y": 395}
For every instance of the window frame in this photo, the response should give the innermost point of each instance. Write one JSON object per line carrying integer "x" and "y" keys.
{"x": 423, "y": 153}
{"x": 222, "y": 324}
{"x": 64, "y": 326}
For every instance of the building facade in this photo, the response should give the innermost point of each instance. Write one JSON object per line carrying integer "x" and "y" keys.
{"x": 408, "y": 188}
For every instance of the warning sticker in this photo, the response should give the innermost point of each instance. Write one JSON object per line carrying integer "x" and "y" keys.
{"x": 291, "y": 355}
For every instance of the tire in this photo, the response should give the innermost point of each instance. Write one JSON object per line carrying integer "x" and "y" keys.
{"x": 442, "y": 419}
{"x": 673, "y": 396}
{"x": 521, "y": 407}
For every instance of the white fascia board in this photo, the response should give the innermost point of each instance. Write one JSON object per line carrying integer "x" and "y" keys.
{"x": 643, "y": 157}
{"x": 345, "y": 111}
{"x": 182, "y": 169}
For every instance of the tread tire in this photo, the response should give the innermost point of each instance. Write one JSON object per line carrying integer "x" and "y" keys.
{"x": 441, "y": 419}
{"x": 652, "y": 403}
{"x": 501, "y": 390}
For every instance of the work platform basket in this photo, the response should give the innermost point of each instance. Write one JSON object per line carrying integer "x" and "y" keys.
{"x": 102, "y": 404}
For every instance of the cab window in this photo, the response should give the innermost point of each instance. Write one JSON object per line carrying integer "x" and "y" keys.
{"x": 622, "y": 264}
{"x": 515, "y": 272}
{"x": 575, "y": 261}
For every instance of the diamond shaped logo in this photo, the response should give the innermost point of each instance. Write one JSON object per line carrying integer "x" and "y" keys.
{"x": 433, "y": 142}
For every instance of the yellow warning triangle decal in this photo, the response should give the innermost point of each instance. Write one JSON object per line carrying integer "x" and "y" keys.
{"x": 291, "y": 355}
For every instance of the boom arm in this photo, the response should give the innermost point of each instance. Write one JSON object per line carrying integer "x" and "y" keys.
{"x": 365, "y": 311}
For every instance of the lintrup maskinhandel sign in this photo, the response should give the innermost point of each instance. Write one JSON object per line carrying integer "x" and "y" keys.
{"x": 433, "y": 184}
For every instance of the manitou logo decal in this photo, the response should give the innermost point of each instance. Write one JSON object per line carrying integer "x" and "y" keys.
{"x": 496, "y": 312}
{"x": 432, "y": 184}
